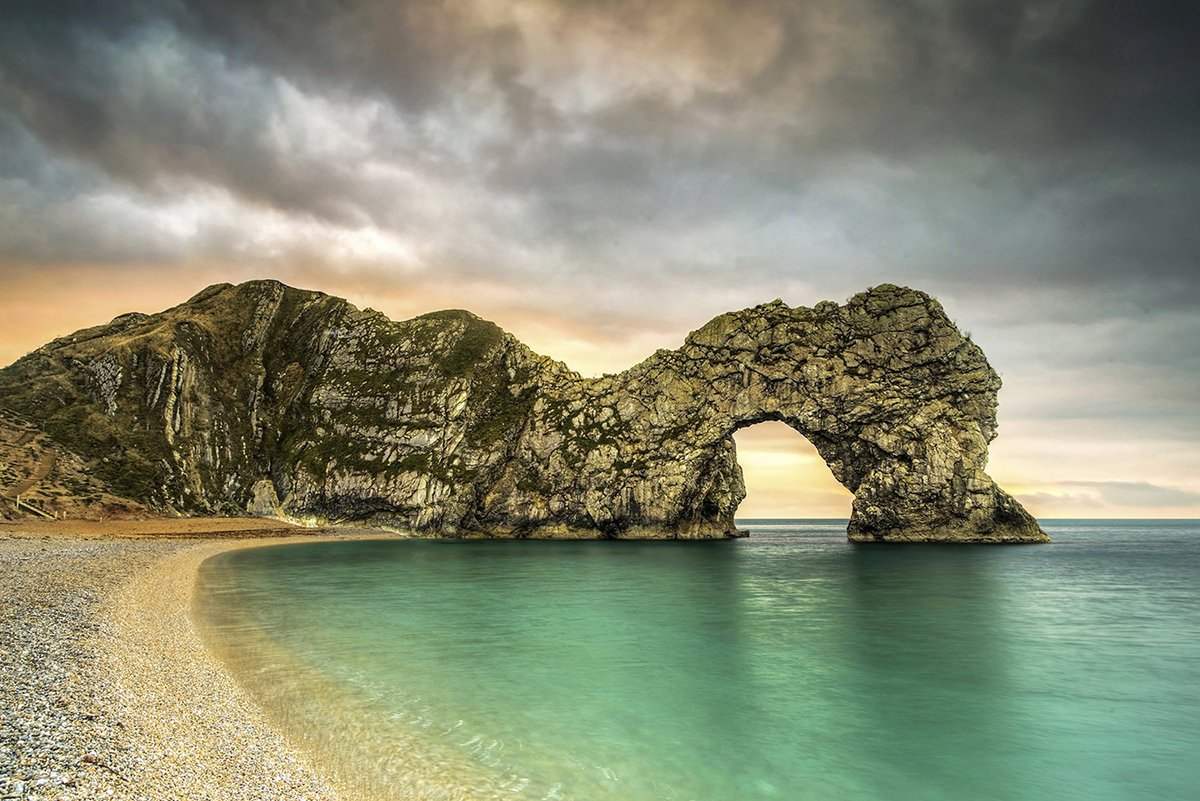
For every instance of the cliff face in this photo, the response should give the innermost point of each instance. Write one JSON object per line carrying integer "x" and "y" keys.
{"x": 278, "y": 400}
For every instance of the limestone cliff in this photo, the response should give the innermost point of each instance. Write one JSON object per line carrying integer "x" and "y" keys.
{"x": 266, "y": 398}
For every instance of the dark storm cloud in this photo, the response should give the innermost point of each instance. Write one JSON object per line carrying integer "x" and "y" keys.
{"x": 1057, "y": 87}
{"x": 147, "y": 108}
{"x": 1025, "y": 160}
{"x": 904, "y": 77}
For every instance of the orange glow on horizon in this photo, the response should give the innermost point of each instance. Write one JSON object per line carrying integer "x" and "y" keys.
{"x": 784, "y": 475}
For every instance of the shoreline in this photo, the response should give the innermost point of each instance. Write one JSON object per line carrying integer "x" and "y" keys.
{"x": 200, "y": 731}
{"x": 107, "y": 688}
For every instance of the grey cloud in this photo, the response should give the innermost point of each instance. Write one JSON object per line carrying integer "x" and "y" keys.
{"x": 1043, "y": 82}
{"x": 1137, "y": 493}
{"x": 1034, "y": 163}
{"x": 903, "y": 76}
{"x": 150, "y": 109}
{"x": 1042, "y": 500}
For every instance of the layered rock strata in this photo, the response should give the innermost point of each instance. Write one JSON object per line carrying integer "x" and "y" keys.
{"x": 281, "y": 401}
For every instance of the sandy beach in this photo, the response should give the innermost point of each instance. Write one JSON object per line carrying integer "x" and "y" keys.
{"x": 106, "y": 688}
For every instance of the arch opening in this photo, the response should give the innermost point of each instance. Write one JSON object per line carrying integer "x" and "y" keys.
{"x": 785, "y": 476}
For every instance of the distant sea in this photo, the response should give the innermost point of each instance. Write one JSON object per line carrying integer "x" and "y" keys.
{"x": 790, "y": 665}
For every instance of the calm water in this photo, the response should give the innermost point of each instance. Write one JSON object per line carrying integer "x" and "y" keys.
{"x": 790, "y": 665}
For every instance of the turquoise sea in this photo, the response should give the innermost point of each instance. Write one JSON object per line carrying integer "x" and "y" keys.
{"x": 790, "y": 665}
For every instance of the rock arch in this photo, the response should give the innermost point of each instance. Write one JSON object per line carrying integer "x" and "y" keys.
{"x": 899, "y": 404}
{"x": 297, "y": 403}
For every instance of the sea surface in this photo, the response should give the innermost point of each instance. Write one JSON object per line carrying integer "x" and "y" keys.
{"x": 789, "y": 665}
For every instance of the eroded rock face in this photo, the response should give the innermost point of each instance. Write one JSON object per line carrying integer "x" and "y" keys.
{"x": 264, "y": 397}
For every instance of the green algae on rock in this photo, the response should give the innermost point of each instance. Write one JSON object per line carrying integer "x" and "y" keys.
{"x": 281, "y": 401}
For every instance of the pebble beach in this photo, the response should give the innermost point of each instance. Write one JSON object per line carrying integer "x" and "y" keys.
{"x": 106, "y": 688}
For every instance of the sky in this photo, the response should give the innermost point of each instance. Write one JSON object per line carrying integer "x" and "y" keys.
{"x": 600, "y": 178}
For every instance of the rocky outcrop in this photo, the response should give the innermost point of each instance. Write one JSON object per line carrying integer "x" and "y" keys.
{"x": 278, "y": 400}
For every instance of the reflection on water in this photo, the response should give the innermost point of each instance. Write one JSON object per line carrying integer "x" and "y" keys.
{"x": 791, "y": 665}
{"x": 932, "y": 666}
